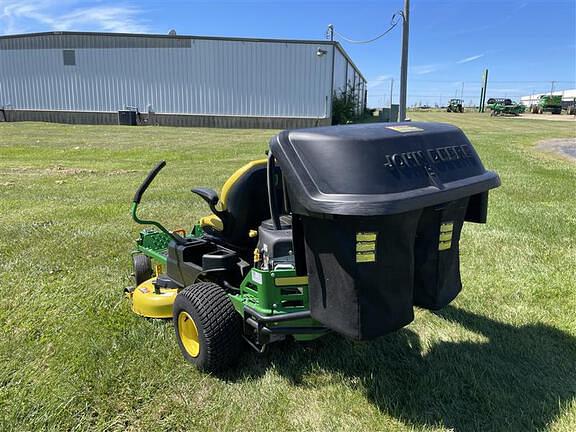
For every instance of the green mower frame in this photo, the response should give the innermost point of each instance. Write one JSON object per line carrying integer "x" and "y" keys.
{"x": 270, "y": 305}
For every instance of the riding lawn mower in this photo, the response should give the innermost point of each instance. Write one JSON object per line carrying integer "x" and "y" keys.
{"x": 338, "y": 229}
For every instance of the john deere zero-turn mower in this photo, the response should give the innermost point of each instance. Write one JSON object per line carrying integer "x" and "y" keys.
{"x": 342, "y": 228}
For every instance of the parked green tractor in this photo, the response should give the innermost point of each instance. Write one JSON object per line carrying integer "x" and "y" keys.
{"x": 547, "y": 103}
{"x": 455, "y": 105}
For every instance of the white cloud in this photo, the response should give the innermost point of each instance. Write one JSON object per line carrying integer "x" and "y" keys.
{"x": 18, "y": 16}
{"x": 469, "y": 59}
{"x": 378, "y": 81}
{"x": 426, "y": 69}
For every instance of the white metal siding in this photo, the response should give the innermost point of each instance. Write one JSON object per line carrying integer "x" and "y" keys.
{"x": 340, "y": 66}
{"x": 214, "y": 77}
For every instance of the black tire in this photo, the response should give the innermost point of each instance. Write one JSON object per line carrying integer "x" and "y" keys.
{"x": 217, "y": 324}
{"x": 142, "y": 268}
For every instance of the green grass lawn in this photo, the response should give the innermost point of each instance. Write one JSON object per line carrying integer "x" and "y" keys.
{"x": 74, "y": 357}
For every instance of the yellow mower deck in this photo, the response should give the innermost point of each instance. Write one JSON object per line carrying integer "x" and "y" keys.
{"x": 146, "y": 302}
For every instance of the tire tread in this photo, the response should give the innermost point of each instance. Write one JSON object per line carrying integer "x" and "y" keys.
{"x": 219, "y": 321}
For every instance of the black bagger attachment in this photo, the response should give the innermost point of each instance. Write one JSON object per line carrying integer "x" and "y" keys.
{"x": 380, "y": 208}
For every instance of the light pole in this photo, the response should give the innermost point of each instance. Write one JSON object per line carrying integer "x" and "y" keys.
{"x": 404, "y": 64}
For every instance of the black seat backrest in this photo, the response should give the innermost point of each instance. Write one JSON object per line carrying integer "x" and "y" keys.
{"x": 244, "y": 199}
{"x": 242, "y": 205}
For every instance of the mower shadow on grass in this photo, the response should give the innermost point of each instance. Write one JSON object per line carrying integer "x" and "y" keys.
{"x": 519, "y": 378}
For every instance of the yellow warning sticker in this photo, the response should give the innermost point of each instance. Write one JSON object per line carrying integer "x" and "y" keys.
{"x": 447, "y": 227}
{"x": 445, "y": 238}
{"x": 365, "y": 246}
{"x": 405, "y": 128}
{"x": 365, "y": 236}
{"x": 444, "y": 245}
{"x": 366, "y": 257}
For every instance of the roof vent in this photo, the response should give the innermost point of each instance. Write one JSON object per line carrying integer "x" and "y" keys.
{"x": 172, "y": 32}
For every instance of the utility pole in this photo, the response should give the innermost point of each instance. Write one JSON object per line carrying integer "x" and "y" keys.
{"x": 483, "y": 91}
{"x": 330, "y": 32}
{"x": 552, "y": 88}
{"x": 391, "y": 90}
{"x": 404, "y": 63}
{"x": 462, "y": 93}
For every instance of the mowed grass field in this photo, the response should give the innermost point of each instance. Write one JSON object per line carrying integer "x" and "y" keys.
{"x": 502, "y": 357}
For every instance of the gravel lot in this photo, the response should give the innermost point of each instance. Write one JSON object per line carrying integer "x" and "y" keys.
{"x": 565, "y": 147}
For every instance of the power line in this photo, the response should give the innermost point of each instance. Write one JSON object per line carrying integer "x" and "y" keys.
{"x": 455, "y": 81}
{"x": 393, "y": 23}
{"x": 387, "y": 95}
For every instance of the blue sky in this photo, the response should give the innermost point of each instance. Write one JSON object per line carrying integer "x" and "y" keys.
{"x": 525, "y": 44}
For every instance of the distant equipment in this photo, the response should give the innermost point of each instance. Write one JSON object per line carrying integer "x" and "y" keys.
{"x": 547, "y": 103}
{"x": 502, "y": 101}
{"x": 455, "y": 105}
{"x": 172, "y": 32}
{"x": 503, "y": 107}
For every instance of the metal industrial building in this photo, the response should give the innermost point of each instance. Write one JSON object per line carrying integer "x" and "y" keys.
{"x": 174, "y": 80}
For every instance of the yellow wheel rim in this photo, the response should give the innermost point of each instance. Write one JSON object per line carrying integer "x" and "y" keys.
{"x": 188, "y": 334}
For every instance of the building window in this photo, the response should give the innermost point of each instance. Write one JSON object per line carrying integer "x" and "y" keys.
{"x": 69, "y": 57}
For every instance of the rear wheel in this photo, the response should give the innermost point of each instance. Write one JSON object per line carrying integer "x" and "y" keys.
{"x": 208, "y": 328}
{"x": 142, "y": 267}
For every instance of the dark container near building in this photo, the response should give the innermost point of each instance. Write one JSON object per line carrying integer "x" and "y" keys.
{"x": 127, "y": 117}
{"x": 381, "y": 208}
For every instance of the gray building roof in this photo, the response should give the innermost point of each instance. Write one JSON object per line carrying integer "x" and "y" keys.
{"x": 86, "y": 40}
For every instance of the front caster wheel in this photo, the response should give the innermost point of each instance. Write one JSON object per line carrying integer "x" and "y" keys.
{"x": 142, "y": 267}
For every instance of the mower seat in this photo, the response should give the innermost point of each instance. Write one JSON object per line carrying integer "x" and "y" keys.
{"x": 241, "y": 207}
